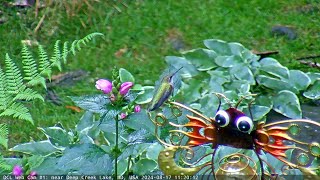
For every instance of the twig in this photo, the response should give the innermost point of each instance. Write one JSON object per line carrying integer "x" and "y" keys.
{"x": 310, "y": 63}
{"x": 264, "y": 54}
{"x": 309, "y": 57}
{"x": 39, "y": 24}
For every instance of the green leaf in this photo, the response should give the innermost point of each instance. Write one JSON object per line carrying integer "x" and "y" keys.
{"x": 188, "y": 69}
{"x": 145, "y": 96}
{"x": 35, "y": 148}
{"x": 313, "y": 76}
{"x": 154, "y": 150}
{"x": 191, "y": 91}
{"x": 139, "y": 120}
{"x": 217, "y": 79}
{"x": 93, "y": 103}
{"x": 34, "y": 161}
{"x": 203, "y": 59}
{"x": 314, "y": 91}
{"x": 85, "y": 159}
{"x": 238, "y": 86}
{"x": 144, "y": 166}
{"x": 275, "y": 84}
{"x": 86, "y": 121}
{"x": 229, "y": 61}
{"x": 258, "y": 112}
{"x": 219, "y": 46}
{"x": 122, "y": 166}
{"x": 209, "y": 104}
{"x": 57, "y": 136}
{"x": 125, "y": 76}
{"x": 287, "y": 103}
{"x": 18, "y": 110}
{"x": 49, "y": 166}
{"x": 242, "y": 72}
{"x": 4, "y": 135}
{"x": 236, "y": 48}
{"x": 299, "y": 79}
{"x": 272, "y": 66}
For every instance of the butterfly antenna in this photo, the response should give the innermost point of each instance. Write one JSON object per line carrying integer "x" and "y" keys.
{"x": 225, "y": 98}
{"x": 242, "y": 98}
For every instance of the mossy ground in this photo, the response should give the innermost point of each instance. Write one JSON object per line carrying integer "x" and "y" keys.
{"x": 139, "y": 34}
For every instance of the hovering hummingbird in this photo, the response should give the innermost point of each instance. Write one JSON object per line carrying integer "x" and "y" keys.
{"x": 163, "y": 92}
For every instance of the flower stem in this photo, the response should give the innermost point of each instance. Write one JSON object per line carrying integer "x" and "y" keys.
{"x": 116, "y": 148}
{"x": 128, "y": 168}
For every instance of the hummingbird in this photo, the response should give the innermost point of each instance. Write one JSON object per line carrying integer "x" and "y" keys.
{"x": 164, "y": 91}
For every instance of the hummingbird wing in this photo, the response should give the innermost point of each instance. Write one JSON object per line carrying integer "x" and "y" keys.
{"x": 160, "y": 96}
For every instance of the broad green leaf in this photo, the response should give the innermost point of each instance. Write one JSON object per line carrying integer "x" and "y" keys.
{"x": 299, "y": 79}
{"x": 85, "y": 121}
{"x": 93, "y": 103}
{"x": 203, "y": 59}
{"x": 272, "y": 66}
{"x": 144, "y": 166}
{"x": 35, "y": 160}
{"x": 188, "y": 69}
{"x": 154, "y": 150}
{"x": 85, "y": 159}
{"x": 57, "y": 136}
{"x": 191, "y": 91}
{"x": 220, "y": 77}
{"x": 264, "y": 101}
{"x": 258, "y": 112}
{"x": 145, "y": 96}
{"x": 36, "y": 148}
{"x": 313, "y": 76}
{"x": 122, "y": 166}
{"x": 209, "y": 104}
{"x": 49, "y": 166}
{"x": 236, "y": 48}
{"x": 287, "y": 103}
{"x": 242, "y": 72}
{"x": 140, "y": 120}
{"x": 239, "y": 86}
{"x": 313, "y": 92}
{"x": 125, "y": 76}
{"x": 275, "y": 84}
{"x": 219, "y": 46}
{"x": 228, "y": 61}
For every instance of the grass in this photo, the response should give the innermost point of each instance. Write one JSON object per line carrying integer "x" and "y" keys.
{"x": 143, "y": 30}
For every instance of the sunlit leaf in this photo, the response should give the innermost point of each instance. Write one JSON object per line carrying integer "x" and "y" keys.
{"x": 36, "y": 148}
{"x": 272, "y": 66}
{"x": 125, "y": 76}
{"x": 203, "y": 59}
{"x": 287, "y": 103}
{"x": 314, "y": 91}
{"x": 275, "y": 84}
{"x": 188, "y": 69}
{"x": 219, "y": 46}
{"x": 299, "y": 79}
{"x": 146, "y": 95}
{"x": 228, "y": 61}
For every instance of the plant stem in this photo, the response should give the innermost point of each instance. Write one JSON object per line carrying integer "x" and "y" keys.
{"x": 128, "y": 168}
{"x": 117, "y": 150}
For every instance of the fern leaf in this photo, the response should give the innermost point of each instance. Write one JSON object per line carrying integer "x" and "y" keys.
{"x": 14, "y": 80}
{"x": 28, "y": 94}
{"x": 65, "y": 52}
{"x": 5, "y": 168}
{"x": 89, "y": 37}
{"x": 3, "y": 91}
{"x": 43, "y": 59}
{"x": 18, "y": 110}
{"x": 73, "y": 47}
{"x": 56, "y": 58}
{"x": 4, "y": 135}
{"x": 29, "y": 64}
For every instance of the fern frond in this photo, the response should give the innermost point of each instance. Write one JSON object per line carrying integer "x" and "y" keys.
{"x": 29, "y": 64}
{"x": 65, "y": 52}
{"x": 18, "y": 110}
{"x": 28, "y": 94}
{"x": 4, "y": 98}
{"x": 73, "y": 47}
{"x": 43, "y": 59}
{"x": 5, "y": 168}
{"x": 14, "y": 80}
{"x": 56, "y": 58}
{"x": 89, "y": 37}
{"x": 4, "y": 135}
{"x": 77, "y": 43}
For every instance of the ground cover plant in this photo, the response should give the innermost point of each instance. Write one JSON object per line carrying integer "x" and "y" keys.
{"x": 132, "y": 37}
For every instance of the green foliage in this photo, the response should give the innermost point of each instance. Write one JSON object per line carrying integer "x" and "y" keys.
{"x": 233, "y": 70}
{"x": 16, "y": 87}
{"x": 4, "y": 135}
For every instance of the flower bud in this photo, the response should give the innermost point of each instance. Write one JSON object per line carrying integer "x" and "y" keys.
{"x": 137, "y": 108}
{"x": 104, "y": 85}
{"x": 125, "y": 87}
{"x": 123, "y": 115}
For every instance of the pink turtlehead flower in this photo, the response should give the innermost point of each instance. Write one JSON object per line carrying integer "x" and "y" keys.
{"x": 104, "y": 85}
{"x": 137, "y": 108}
{"x": 125, "y": 87}
{"x": 17, "y": 170}
{"x": 123, "y": 115}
